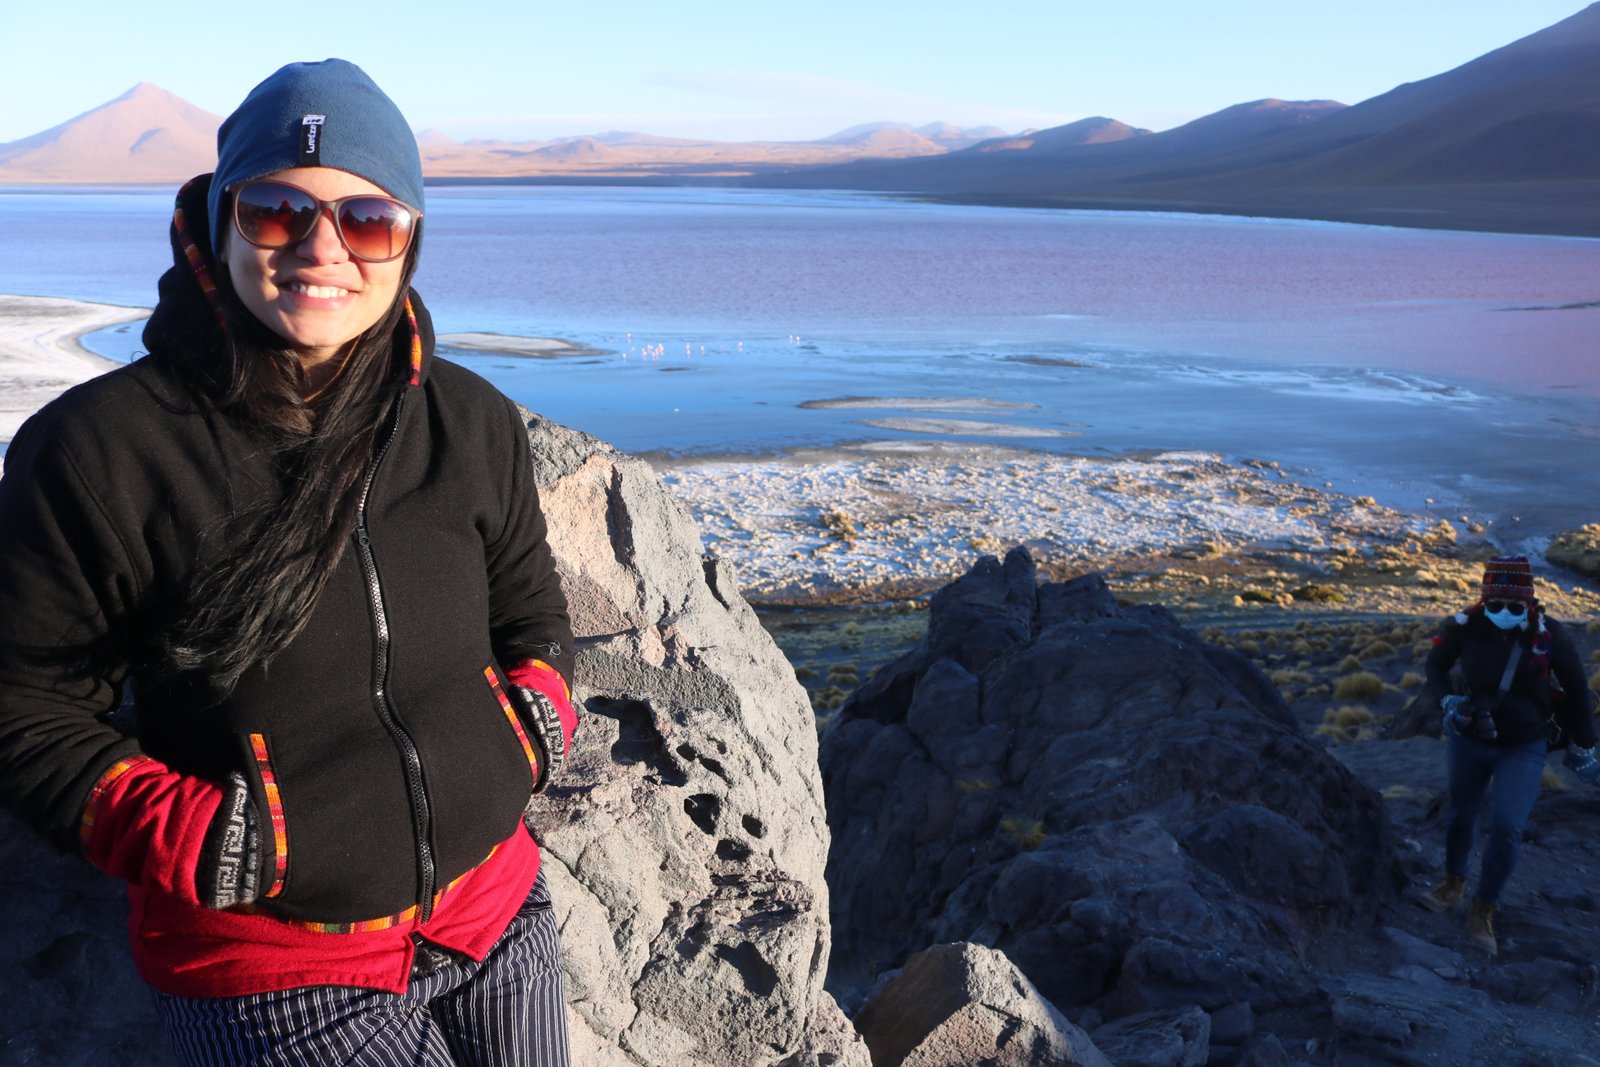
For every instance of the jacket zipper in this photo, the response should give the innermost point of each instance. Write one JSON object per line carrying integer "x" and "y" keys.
{"x": 380, "y": 692}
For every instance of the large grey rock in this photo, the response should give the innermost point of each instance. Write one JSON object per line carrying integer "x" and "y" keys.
{"x": 963, "y": 1004}
{"x": 686, "y": 841}
{"x": 1131, "y": 816}
{"x": 684, "y": 844}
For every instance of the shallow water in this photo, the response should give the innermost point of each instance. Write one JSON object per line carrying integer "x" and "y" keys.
{"x": 1409, "y": 364}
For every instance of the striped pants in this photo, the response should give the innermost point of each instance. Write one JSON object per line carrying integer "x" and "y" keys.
{"x": 508, "y": 1011}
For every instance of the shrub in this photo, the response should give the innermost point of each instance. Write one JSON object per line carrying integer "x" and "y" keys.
{"x": 1319, "y": 594}
{"x": 1301, "y": 646}
{"x": 1349, "y": 663}
{"x": 1285, "y": 678}
{"x": 1026, "y": 834}
{"x": 1363, "y": 685}
{"x": 1412, "y": 680}
{"x": 839, "y": 524}
{"x": 1376, "y": 650}
{"x": 1350, "y": 716}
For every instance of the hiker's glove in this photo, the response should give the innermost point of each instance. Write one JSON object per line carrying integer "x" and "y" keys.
{"x": 1454, "y": 721}
{"x": 1582, "y": 762}
{"x": 544, "y": 733}
{"x": 229, "y": 872}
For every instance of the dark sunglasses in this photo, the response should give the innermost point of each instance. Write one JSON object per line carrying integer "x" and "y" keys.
{"x": 373, "y": 228}
{"x": 1515, "y": 607}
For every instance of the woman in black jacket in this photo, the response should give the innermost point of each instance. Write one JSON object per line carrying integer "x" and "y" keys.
{"x": 1498, "y": 722}
{"x": 311, "y": 559}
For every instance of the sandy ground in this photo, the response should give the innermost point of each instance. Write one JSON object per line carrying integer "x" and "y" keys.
{"x": 39, "y": 351}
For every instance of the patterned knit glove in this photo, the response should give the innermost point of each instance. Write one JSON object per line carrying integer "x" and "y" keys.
{"x": 230, "y": 864}
{"x": 1454, "y": 721}
{"x": 1582, "y": 762}
{"x": 548, "y": 739}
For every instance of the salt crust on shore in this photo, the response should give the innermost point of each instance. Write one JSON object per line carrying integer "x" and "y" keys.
{"x": 40, "y": 356}
{"x": 507, "y": 345}
{"x": 813, "y": 525}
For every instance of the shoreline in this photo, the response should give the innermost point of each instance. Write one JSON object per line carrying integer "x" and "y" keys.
{"x": 888, "y": 521}
{"x": 1223, "y": 538}
{"x": 42, "y": 354}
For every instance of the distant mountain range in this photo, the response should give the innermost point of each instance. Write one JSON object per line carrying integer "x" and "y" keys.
{"x": 149, "y": 135}
{"x": 1508, "y": 141}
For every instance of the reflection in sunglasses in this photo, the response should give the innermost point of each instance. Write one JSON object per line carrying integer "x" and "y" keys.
{"x": 276, "y": 215}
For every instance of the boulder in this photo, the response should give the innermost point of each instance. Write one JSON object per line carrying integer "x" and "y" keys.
{"x": 684, "y": 843}
{"x": 962, "y": 1004}
{"x": 1132, "y": 817}
{"x": 1577, "y": 549}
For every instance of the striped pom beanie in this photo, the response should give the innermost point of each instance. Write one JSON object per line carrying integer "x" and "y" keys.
{"x": 1508, "y": 577}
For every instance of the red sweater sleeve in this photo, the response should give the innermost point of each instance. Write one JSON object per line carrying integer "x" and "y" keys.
{"x": 147, "y": 824}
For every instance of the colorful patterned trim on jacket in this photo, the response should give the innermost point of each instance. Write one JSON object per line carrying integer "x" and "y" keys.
{"x": 416, "y": 345}
{"x": 514, "y": 718}
{"x": 197, "y": 260}
{"x": 280, "y": 826}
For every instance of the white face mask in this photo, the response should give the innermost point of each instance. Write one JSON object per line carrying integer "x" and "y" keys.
{"x": 1507, "y": 621}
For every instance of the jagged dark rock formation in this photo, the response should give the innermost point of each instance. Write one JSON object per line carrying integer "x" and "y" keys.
{"x": 1130, "y": 815}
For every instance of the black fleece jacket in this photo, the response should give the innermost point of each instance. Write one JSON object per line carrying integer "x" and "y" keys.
{"x": 1482, "y": 649}
{"x": 394, "y": 764}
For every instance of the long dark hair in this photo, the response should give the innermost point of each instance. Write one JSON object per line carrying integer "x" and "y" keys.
{"x": 244, "y": 610}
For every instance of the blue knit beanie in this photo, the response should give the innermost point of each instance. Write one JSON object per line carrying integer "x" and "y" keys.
{"x": 327, "y": 114}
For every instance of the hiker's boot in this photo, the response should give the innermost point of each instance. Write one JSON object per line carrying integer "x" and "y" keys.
{"x": 1480, "y": 926}
{"x": 1446, "y": 895}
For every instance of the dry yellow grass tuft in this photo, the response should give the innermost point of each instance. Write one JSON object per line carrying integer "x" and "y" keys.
{"x": 1349, "y": 663}
{"x": 1026, "y": 834}
{"x": 1552, "y": 780}
{"x": 1411, "y": 680}
{"x": 1363, "y": 685}
{"x": 1284, "y": 678}
{"x": 1301, "y": 646}
{"x": 1350, "y": 716}
{"x": 1376, "y": 650}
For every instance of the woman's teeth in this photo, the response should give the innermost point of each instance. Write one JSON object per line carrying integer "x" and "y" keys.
{"x": 321, "y": 292}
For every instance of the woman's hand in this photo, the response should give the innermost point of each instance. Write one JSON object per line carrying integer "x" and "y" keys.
{"x": 1454, "y": 722}
{"x": 229, "y": 871}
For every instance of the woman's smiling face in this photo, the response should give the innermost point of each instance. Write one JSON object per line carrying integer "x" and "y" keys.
{"x": 315, "y": 294}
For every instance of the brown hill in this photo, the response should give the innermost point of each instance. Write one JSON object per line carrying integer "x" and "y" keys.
{"x": 1096, "y": 130}
{"x": 144, "y": 135}
{"x": 1507, "y": 141}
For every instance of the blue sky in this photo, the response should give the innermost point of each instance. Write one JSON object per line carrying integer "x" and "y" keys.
{"x": 742, "y": 70}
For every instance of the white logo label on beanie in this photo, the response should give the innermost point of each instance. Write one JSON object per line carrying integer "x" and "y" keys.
{"x": 311, "y": 139}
